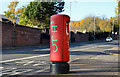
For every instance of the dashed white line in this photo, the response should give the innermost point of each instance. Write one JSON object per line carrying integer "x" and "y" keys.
{"x": 15, "y": 73}
{"x": 43, "y": 69}
{"x": 37, "y": 64}
{"x": 7, "y": 70}
{"x": 48, "y": 54}
{"x": 48, "y": 49}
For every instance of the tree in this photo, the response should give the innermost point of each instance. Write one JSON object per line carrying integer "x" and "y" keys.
{"x": 102, "y": 25}
{"x": 108, "y": 27}
{"x": 117, "y": 9}
{"x": 12, "y": 12}
{"x": 117, "y": 12}
{"x": 81, "y": 22}
{"x": 114, "y": 23}
{"x": 88, "y": 24}
{"x": 105, "y": 26}
{"x": 87, "y": 21}
{"x": 73, "y": 23}
{"x": 38, "y": 13}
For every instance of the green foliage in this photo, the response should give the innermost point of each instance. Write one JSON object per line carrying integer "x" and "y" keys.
{"x": 38, "y": 13}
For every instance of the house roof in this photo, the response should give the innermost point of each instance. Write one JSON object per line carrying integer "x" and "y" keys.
{"x": 75, "y": 28}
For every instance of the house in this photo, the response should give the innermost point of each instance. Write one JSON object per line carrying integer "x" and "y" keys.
{"x": 4, "y": 19}
{"x": 75, "y": 29}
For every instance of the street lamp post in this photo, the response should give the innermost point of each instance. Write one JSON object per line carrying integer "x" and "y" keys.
{"x": 113, "y": 28}
{"x": 94, "y": 28}
{"x": 119, "y": 20}
{"x": 119, "y": 26}
{"x": 70, "y": 26}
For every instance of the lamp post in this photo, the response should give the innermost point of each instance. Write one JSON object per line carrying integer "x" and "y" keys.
{"x": 94, "y": 28}
{"x": 70, "y": 26}
{"x": 119, "y": 29}
{"x": 119, "y": 22}
{"x": 113, "y": 27}
{"x": 70, "y": 22}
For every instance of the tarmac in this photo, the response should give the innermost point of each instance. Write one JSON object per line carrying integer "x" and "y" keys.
{"x": 84, "y": 67}
{"x": 112, "y": 51}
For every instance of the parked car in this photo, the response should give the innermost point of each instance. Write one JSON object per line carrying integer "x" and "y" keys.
{"x": 109, "y": 39}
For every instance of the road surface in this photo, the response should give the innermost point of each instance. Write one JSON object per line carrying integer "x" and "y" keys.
{"x": 85, "y": 59}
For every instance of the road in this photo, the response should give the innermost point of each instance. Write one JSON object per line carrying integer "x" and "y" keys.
{"x": 85, "y": 59}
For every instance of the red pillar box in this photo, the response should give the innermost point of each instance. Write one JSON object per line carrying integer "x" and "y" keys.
{"x": 59, "y": 43}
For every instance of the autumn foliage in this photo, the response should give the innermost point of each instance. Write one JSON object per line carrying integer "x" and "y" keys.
{"x": 12, "y": 12}
{"x": 99, "y": 25}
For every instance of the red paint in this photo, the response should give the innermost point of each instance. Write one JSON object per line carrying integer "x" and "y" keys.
{"x": 59, "y": 38}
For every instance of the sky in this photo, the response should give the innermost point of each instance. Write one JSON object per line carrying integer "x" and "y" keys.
{"x": 79, "y": 8}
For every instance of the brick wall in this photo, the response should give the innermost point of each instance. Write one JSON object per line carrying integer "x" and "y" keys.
{"x": 24, "y": 36}
{"x": 79, "y": 37}
{"x": 19, "y": 35}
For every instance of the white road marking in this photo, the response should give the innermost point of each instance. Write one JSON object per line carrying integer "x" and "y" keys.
{"x": 14, "y": 72}
{"x": 45, "y": 55}
{"x": 29, "y": 63}
{"x": 48, "y": 54}
{"x": 73, "y": 60}
{"x": 1, "y": 67}
{"x": 41, "y": 63}
{"x": 37, "y": 64}
{"x": 24, "y": 58}
{"x": 48, "y": 49}
{"x": 88, "y": 48}
{"x": 9, "y": 70}
{"x": 43, "y": 69}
